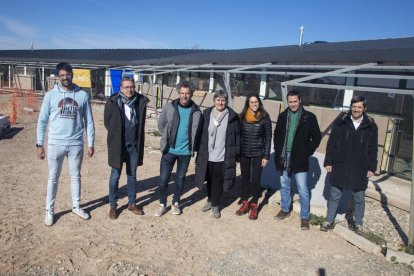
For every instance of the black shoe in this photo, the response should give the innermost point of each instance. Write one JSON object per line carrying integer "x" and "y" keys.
{"x": 282, "y": 215}
{"x": 349, "y": 216}
{"x": 359, "y": 230}
{"x": 325, "y": 226}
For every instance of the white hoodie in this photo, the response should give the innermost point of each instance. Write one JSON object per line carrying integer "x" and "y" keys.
{"x": 68, "y": 112}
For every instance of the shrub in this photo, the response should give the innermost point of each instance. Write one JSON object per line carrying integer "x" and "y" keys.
{"x": 316, "y": 220}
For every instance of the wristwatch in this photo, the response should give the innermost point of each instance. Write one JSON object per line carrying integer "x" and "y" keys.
{"x": 39, "y": 146}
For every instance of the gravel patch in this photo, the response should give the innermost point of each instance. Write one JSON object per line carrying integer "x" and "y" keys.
{"x": 272, "y": 260}
{"x": 388, "y": 222}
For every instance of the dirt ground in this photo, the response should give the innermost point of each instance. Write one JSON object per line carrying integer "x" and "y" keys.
{"x": 193, "y": 243}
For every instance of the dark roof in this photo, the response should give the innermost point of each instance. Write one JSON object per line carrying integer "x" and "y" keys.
{"x": 398, "y": 51}
{"x": 392, "y": 51}
{"x": 92, "y": 56}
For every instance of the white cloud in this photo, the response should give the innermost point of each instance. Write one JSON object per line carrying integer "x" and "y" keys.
{"x": 88, "y": 39}
{"x": 17, "y": 27}
{"x": 14, "y": 43}
{"x": 74, "y": 37}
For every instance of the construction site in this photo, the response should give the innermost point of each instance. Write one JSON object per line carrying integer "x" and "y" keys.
{"x": 194, "y": 243}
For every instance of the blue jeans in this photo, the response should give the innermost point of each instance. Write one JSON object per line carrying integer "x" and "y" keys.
{"x": 167, "y": 163}
{"x": 56, "y": 155}
{"x": 301, "y": 182}
{"x": 358, "y": 205}
{"x": 131, "y": 155}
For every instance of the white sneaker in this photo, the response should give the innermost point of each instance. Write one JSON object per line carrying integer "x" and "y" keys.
{"x": 175, "y": 209}
{"x": 80, "y": 212}
{"x": 49, "y": 218}
{"x": 161, "y": 211}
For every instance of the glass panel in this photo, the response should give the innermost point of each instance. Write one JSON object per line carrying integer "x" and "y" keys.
{"x": 184, "y": 75}
{"x": 404, "y": 146}
{"x": 236, "y": 84}
{"x": 403, "y": 155}
{"x": 98, "y": 82}
{"x": 383, "y": 103}
{"x": 251, "y": 83}
{"x": 384, "y": 83}
{"x": 321, "y": 96}
{"x": 273, "y": 88}
{"x": 201, "y": 80}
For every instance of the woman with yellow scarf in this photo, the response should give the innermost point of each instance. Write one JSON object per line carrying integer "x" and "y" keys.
{"x": 256, "y": 136}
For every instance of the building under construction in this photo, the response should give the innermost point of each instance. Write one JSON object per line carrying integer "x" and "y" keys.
{"x": 326, "y": 74}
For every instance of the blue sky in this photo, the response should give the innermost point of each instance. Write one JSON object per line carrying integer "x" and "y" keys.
{"x": 214, "y": 24}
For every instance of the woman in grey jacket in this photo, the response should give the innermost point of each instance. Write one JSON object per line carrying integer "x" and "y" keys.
{"x": 219, "y": 150}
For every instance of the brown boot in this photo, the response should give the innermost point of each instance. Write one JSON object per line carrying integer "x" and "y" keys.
{"x": 244, "y": 209}
{"x": 304, "y": 224}
{"x": 253, "y": 211}
{"x": 112, "y": 213}
{"x": 135, "y": 209}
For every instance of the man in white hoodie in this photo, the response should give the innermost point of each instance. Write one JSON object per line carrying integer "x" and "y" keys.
{"x": 67, "y": 110}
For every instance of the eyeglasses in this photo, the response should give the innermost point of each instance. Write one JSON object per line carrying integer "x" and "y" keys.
{"x": 128, "y": 87}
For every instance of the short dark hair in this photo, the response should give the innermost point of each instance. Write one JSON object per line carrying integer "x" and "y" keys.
{"x": 64, "y": 66}
{"x": 293, "y": 93}
{"x": 127, "y": 78}
{"x": 220, "y": 94}
{"x": 357, "y": 99}
{"x": 186, "y": 84}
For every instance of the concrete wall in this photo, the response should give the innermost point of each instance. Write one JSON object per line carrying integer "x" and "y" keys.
{"x": 23, "y": 81}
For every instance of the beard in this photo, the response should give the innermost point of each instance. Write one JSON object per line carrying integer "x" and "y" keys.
{"x": 66, "y": 83}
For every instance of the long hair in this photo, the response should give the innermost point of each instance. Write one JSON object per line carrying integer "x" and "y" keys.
{"x": 261, "y": 109}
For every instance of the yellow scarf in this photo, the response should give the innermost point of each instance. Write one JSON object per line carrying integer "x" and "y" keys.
{"x": 250, "y": 117}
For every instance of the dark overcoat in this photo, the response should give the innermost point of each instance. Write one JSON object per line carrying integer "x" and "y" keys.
{"x": 352, "y": 152}
{"x": 306, "y": 140}
{"x": 231, "y": 155}
{"x": 114, "y": 126}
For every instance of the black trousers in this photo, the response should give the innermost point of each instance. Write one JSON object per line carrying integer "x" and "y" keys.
{"x": 215, "y": 181}
{"x": 251, "y": 169}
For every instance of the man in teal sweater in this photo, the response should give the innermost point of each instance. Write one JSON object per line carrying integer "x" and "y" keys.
{"x": 180, "y": 126}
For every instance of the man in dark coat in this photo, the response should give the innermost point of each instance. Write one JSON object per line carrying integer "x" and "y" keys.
{"x": 124, "y": 119}
{"x": 296, "y": 137}
{"x": 351, "y": 158}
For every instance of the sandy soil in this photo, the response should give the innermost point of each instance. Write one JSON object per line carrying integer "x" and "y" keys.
{"x": 191, "y": 244}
